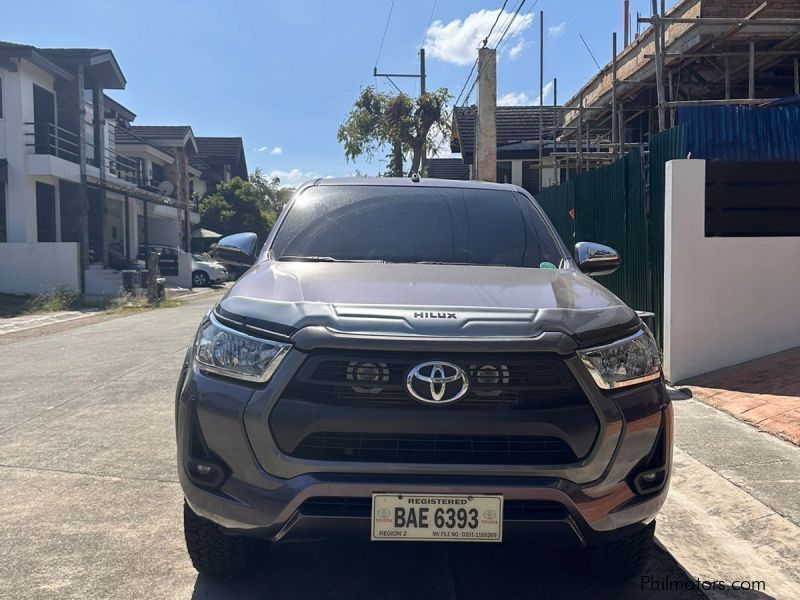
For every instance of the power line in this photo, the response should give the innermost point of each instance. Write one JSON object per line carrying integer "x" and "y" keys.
{"x": 519, "y": 24}
{"x": 385, "y": 29}
{"x": 471, "y": 71}
{"x": 589, "y": 50}
{"x": 475, "y": 64}
{"x": 430, "y": 20}
{"x": 502, "y": 8}
{"x": 499, "y": 42}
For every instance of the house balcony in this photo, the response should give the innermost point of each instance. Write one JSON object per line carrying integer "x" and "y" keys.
{"x": 52, "y": 151}
{"x": 130, "y": 170}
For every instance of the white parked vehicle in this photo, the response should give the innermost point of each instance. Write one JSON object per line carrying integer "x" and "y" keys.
{"x": 207, "y": 271}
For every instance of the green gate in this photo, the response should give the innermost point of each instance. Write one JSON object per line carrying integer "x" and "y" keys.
{"x": 614, "y": 205}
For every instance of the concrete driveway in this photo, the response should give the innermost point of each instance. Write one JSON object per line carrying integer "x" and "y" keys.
{"x": 90, "y": 506}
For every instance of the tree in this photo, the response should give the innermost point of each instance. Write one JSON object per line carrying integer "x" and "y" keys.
{"x": 409, "y": 125}
{"x": 236, "y": 205}
{"x": 274, "y": 195}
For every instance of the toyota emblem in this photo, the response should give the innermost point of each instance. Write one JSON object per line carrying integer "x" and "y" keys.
{"x": 437, "y": 382}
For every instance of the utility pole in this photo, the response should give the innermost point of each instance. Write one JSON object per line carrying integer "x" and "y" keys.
{"x": 397, "y": 151}
{"x": 541, "y": 97}
{"x": 421, "y": 71}
{"x": 614, "y": 113}
{"x": 658, "y": 38}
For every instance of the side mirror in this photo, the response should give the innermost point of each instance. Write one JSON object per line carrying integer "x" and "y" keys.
{"x": 596, "y": 259}
{"x": 239, "y": 249}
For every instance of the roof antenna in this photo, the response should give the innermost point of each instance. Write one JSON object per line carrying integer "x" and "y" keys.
{"x": 414, "y": 177}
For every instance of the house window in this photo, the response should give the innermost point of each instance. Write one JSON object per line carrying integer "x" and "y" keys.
{"x": 45, "y": 212}
{"x": 158, "y": 174}
{"x": 3, "y": 222}
{"x": 1, "y": 97}
{"x": 503, "y": 172}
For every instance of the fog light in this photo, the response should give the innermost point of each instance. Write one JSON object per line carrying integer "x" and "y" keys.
{"x": 205, "y": 474}
{"x": 368, "y": 373}
{"x": 648, "y": 482}
{"x": 495, "y": 375}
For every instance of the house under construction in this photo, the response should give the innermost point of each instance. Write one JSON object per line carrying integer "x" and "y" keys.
{"x": 697, "y": 53}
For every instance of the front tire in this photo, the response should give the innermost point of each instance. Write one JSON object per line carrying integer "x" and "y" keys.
{"x": 200, "y": 279}
{"x": 624, "y": 558}
{"x": 214, "y": 553}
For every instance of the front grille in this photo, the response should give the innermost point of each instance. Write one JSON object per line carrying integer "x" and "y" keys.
{"x": 435, "y": 449}
{"x": 513, "y": 510}
{"x": 518, "y": 381}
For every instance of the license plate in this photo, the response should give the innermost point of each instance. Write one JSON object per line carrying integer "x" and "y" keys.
{"x": 437, "y": 518}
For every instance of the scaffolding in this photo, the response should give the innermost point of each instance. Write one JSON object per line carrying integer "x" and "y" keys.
{"x": 698, "y": 53}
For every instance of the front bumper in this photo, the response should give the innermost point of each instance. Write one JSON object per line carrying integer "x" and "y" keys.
{"x": 264, "y": 493}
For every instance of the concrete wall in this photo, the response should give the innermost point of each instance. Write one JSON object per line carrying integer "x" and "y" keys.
{"x": 726, "y": 300}
{"x": 17, "y": 110}
{"x": 34, "y": 268}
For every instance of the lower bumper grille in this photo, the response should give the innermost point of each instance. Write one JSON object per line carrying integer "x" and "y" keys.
{"x": 435, "y": 449}
{"x": 513, "y": 510}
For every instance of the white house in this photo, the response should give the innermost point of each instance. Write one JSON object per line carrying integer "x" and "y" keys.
{"x": 77, "y": 202}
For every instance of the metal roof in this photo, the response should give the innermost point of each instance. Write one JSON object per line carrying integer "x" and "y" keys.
{"x": 742, "y": 133}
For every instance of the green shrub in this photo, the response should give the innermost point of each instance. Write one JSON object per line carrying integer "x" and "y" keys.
{"x": 54, "y": 300}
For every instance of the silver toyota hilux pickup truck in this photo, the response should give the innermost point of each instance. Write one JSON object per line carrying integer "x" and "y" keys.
{"x": 420, "y": 359}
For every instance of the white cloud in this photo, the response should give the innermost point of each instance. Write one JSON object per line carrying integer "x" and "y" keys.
{"x": 275, "y": 150}
{"x": 523, "y": 99}
{"x": 514, "y": 99}
{"x": 556, "y": 31}
{"x": 457, "y": 41}
{"x": 293, "y": 177}
{"x": 516, "y": 49}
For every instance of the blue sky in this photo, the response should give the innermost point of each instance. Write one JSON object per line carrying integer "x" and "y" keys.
{"x": 283, "y": 75}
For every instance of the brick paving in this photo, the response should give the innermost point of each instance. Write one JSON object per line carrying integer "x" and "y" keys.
{"x": 764, "y": 392}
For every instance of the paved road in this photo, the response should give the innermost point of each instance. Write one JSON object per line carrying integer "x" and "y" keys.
{"x": 90, "y": 505}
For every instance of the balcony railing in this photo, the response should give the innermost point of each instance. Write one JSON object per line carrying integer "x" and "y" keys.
{"x": 123, "y": 167}
{"x": 49, "y": 138}
{"x": 130, "y": 170}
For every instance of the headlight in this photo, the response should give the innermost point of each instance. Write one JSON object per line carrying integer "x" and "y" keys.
{"x": 626, "y": 362}
{"x": 225, "y": 351}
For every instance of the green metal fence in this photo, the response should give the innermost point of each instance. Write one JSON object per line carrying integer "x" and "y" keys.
{"x": 664, "y": 147}
{"x": 608, "y": 208}
{"x": 614, "y": 205}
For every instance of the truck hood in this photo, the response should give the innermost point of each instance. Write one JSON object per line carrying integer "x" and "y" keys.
{"x": 425, "y": 300}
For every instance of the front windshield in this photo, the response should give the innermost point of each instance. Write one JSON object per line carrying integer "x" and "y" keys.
{"x": 415, "y": 225}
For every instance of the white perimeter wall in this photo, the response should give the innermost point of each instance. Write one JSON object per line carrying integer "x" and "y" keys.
{"x": 726, "y": 300}
{"x": 34, "y": 268}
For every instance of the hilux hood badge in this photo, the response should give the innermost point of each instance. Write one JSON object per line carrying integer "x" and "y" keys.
{"x": 437, "y": 382}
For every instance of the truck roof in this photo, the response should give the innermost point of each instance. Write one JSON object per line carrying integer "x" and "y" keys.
{"x": 408, "y": 182}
